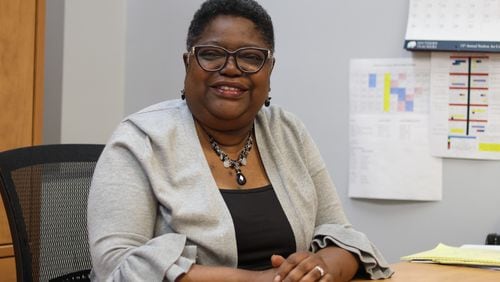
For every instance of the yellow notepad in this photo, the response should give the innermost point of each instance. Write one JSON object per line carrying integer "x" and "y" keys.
{"x": 453, "y": 255}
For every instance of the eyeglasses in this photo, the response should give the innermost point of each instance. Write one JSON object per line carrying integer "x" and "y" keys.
{"x": 248, "y": 60}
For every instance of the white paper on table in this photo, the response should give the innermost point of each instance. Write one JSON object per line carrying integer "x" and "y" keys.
{"x": 389, "y": 141}
{"x": 465, "y": 105}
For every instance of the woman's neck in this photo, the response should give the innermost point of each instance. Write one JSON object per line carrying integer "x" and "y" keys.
{"x": 231, "y": 140}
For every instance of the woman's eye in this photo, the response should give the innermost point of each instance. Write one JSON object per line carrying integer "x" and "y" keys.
{"x": 211, "y": 55}
{"x": 251, "y": 57}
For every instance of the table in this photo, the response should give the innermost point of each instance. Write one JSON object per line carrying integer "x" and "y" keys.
{"x": 426, "y": 272}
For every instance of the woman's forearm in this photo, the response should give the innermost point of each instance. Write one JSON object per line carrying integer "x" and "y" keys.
{"x": 201, "y": 273}
{"x": 342, "y": 264}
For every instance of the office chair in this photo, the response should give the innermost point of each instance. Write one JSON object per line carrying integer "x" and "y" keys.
{"x": 44, "y": 190}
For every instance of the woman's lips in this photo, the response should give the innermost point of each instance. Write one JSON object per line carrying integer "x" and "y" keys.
{"x": 229, "y": 91}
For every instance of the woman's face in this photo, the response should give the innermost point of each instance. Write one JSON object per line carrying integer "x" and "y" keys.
{"x": 227, "y": 99}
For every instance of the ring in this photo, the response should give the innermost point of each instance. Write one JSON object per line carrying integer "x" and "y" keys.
{"x": 320, "y": 269}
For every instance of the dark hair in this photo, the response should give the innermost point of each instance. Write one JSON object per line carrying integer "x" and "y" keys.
{"x": 248, "y": 9}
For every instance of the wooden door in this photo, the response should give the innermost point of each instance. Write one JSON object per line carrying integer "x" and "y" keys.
{"x": 21, "y": 92}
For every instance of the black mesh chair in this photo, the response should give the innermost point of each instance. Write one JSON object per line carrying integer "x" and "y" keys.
{"x": 44, "y": 190}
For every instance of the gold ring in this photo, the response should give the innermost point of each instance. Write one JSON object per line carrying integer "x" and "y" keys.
{"x": 321, "y": 270}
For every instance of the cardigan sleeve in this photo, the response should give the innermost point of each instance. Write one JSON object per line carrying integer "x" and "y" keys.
{"x": 122, "y": 216}
{"x": 332, "y": 226}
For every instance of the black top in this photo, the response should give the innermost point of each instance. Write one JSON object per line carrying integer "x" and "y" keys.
{"x": 262, "y": 228}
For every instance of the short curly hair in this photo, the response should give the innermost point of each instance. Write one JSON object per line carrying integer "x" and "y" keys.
{"x": 248, "y": 9}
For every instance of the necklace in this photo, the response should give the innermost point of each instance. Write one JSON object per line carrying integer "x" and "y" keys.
{"x": 234, "y": 164}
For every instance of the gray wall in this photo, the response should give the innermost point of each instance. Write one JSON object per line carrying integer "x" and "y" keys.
{"x": 314, "y": 42}
{"x": 54, "y": 31}
{"x": 85, "y": 70}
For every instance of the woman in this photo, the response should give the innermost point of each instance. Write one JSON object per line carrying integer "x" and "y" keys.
{"x": 216, "y": 187}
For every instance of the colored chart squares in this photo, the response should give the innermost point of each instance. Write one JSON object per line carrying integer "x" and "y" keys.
{"x": 397, "y": 96}
{"x": 405, "y": 102}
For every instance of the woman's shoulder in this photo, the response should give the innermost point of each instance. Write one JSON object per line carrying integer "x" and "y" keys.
{"x": 281, "y": 128}
{"x": 277, "y": 119}
{"x": 156, "y": 120}
{"x": 158, "y": 110}
{"x": 158, "y": 114}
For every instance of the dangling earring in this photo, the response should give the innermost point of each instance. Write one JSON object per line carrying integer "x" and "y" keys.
{"x": 183, "y": 95}
{"x": 267, "y": 102}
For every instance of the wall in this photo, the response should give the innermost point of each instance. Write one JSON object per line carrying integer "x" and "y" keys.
{"x": 85, "y": 70}
{"x": 156, "y": 32}
{"x": 54, "y": 50}
{"x": 314, "y": 42}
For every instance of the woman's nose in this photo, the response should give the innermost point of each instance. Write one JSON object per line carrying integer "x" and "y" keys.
{"x": 231, "y": 68}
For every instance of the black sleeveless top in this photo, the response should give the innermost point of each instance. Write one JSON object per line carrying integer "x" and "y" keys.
{"x": 261, "y": 227}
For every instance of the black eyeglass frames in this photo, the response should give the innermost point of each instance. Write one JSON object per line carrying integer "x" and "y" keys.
{"x": 214, "y": 58}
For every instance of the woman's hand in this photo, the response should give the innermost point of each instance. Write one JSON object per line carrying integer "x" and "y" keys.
{"x": 301, "y": 266}
{"x": 202, "y": 273}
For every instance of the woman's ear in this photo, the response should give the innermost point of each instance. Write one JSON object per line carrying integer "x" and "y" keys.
{"x": 272, "y": 66}
{"x": 185, "y": 58}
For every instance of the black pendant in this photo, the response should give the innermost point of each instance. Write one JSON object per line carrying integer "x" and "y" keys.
{"x": 240, "y": 178}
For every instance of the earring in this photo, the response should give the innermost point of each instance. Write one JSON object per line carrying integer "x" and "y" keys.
{"x": 183, "y": 95}
{"x": 267, "y": 102}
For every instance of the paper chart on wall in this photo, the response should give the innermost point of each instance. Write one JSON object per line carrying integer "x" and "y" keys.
{"x": 388, "y": 131}
{"x": 453, "y": 25}
{"x": 465, "y": 100}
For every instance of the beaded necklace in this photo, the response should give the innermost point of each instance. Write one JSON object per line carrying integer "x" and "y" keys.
{"x": 230, "y": 163}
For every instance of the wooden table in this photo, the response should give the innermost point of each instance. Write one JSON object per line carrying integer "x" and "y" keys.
{"x": 425, "y": 272}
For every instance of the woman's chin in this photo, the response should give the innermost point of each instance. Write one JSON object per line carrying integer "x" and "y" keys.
{"x": 228, "y": 115}
{"x": 228, "y": 109}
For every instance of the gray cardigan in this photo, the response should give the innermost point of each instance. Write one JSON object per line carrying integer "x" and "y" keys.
{"x": 154, "y": 207}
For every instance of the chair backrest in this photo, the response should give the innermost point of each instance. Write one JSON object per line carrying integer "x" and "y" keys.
{"x": 45, "y": 190}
